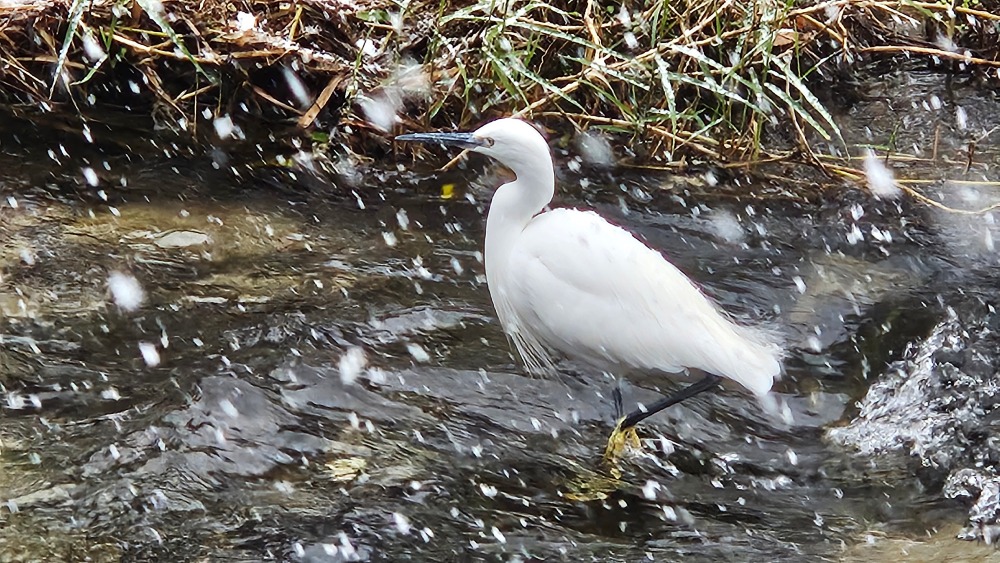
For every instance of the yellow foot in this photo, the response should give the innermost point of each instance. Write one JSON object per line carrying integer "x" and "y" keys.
{"x": 621, "y": 440}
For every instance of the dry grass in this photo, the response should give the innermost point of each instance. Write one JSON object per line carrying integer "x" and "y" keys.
{"x": 733, "y": 82}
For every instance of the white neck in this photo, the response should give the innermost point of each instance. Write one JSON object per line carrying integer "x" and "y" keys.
{"x": 512, "y": 208}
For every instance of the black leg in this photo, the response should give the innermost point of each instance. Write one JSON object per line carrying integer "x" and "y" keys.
{"x": 638, "y": 415}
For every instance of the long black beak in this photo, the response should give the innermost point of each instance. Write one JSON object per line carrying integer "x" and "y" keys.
{"x": 464, "y": 140}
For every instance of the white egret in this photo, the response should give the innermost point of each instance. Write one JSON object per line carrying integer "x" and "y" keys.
{"x": 568, "y": 281}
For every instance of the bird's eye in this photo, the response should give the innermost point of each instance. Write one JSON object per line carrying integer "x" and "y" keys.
{"x": 488, "y": 142}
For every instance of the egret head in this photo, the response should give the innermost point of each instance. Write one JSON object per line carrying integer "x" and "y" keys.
{"x": 515, "y": 143}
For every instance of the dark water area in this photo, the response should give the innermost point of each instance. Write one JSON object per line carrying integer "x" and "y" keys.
{"x": 314, "y": 371}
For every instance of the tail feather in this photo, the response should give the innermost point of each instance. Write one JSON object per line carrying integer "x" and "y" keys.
{"x": 754, "y": 363}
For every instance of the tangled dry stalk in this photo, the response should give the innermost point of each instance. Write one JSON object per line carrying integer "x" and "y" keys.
{"x": 734, "y": 82}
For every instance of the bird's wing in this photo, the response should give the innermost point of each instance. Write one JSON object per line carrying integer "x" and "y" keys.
{"x": 590, "y": 289}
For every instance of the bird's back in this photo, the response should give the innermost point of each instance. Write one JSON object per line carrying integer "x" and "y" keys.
{"x": 589, "y": 289}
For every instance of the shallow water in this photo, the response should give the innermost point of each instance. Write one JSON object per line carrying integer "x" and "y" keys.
{"x": 256, "y": 431}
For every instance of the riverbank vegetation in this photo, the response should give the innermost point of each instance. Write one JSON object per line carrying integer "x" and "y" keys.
{"x": 734, "y": 83}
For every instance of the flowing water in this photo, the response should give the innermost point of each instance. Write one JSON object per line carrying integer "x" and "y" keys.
{"x": 312, "y": 370}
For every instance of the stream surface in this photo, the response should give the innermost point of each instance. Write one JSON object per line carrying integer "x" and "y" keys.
{"x": 315, "y": 372}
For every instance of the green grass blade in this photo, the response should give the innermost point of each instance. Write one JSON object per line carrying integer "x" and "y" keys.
{"x": 798, "y": 109}
{"x": 75, "y": 14}
{"x": 154, "y": 10}
{"x": 806, "y": 95}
